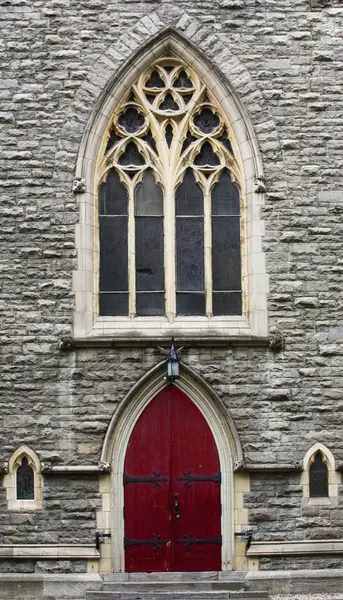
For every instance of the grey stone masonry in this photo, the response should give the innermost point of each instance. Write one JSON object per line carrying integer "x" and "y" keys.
{"x": 285, "y": 61}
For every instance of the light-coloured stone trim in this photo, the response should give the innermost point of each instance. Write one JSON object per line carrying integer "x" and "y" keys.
{"x": 295, "y": 547}
{"x": 49, "y": 551}
{"x": 255, "y": 281}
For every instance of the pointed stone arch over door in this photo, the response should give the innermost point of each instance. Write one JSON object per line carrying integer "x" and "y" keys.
{"x": 222, "y": 429}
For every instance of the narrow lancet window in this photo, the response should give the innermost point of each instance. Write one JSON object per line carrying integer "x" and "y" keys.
{"x": 226, "y": 248}
{"x": 190, "y": 283}
{"x": 25, "y": 481}
{"x": 149, "y": 247}
{"x": 319, "y": 477}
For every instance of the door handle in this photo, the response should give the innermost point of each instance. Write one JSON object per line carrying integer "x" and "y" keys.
{"x": 176, "y": 506}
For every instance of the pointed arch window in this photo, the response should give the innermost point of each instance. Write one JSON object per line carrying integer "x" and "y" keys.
{"x": 25, "y": 486}
{"x": 169, "y": 199}
{"x": 319, "y": 477}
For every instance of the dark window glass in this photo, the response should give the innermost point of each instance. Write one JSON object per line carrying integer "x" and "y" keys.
{"x": 149, "y": 254}
{"x": 113, "y": 254}
{"x": 149, "y": 247}
{"x": 148, "y": 197}
{"x": 183, "y": 81}
{"x": 189, "y": 197}
{"x": 131, "y": 120}
{"x": 25, "y": 481}
{"x": 226, "y": 303}
{"x": 188, "y": 140}
{"x": 148, "y": 138}
{"x": 188, "y": 304}
{"x": 226, "y": 142}
{"x": 155, "y": 81}
{"x": 190, "y": 254}
{"x": 113, "y": 139}
{"x": 319, "y": 480}
{"x": 169, "y": 134}
{"x": 226, "y": 257}
{"x": 169, "y": 103}
{"x": 168, "y": 68}
{"x": 206, "y": 157}
{"x": 207, "y": 121}
{"x": 113, "y": 196}
{"x": 131, "y": 156}
{"x": 114, "y": 304}
{"x": 150, "y": 304}
{"x": 225, "y": 197}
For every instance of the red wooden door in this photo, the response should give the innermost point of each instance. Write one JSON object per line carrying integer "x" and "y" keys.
{"x": 172, "y": 489}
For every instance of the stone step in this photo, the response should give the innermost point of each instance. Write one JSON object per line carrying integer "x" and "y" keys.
{"x": 159, "y": 587}
{"x": 198, "y": 595}
{"x": 175, "y": 576}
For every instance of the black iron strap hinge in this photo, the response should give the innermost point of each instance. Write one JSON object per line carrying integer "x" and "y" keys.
{"x": 98, "y": 538}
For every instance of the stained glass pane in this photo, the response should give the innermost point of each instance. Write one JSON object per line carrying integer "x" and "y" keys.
{"x": 206, "y": 157}
{"x": 113, "y": 254}
{"x": 113, "y": 139}
{"x": 155, "y": 81}
{"x": 183, "y": 81}
{"x": 149, "y": 139}
{"x": 319, "y": 481}
{"x": 25, "y": 481}
{"x": 116, "y": 304}
{"x": 225, "y": 197}
{"x": 149, "y": 254}
{"x": 188, "y": 140}
{"x": 227, "y": 303}
{"x": 189, "y": 197}
{"x": 226, "y": 259}
{"x": 112, "y": 196}
{"x": 188, "y": 304}
{"x": 169, "y": 103}
{"x": 169, "y": 134}
{"x": 150, "y": 304}
{"x": 131, "y": 156}
{"x": 190, "y": 254}
{"x": 148, "y": 197}
{"x": 131, "y": 120}
{"x": 207, "y": 121}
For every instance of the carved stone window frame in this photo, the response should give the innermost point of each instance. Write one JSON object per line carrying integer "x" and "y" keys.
{"x": 334, "y": 478}
{"x": 10, "y": 480}
{"x": 248, "y": 166}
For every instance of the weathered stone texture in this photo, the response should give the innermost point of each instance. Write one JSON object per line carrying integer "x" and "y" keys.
{"x": 61, "y": 404}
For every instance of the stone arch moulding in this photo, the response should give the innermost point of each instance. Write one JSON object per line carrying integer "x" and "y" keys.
{"x": 221, "y": 425}
{"x": 334, "y": 478}
{"x": 11, "y": 484}
{"x": 217, "y": 69}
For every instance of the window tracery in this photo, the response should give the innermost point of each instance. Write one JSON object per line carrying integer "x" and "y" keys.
{"x": 169, "y": 201}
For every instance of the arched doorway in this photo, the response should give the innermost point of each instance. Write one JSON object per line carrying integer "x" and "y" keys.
{"x": 172, "y": 489}
{"x": 119, "y": 432}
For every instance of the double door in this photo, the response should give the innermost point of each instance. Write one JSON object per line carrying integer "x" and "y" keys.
{"x": 172, "y": 489}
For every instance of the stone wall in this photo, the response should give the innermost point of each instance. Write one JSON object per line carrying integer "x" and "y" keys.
{"x": 60, "y": 404}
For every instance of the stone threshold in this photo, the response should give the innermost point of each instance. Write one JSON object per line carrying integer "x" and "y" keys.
{"x": 295, "y": 547}
{"x": 49, "y": 551}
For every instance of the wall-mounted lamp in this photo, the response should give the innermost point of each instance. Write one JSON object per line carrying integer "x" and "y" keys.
{"x": 173, "y": 363}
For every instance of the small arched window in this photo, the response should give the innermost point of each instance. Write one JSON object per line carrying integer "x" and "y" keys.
{"x": 25, "y": 481}
{"x": 169, "y": 198}
{"x": 319, "y": 477}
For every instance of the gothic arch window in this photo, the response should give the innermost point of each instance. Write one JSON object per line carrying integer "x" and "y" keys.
{"x": 318, "y": 475}
{"x": 169, "y": 202}
{"x": 320, "y": 479}
{"x": 170, "y": 233}
{"x": 24, "y": 480}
